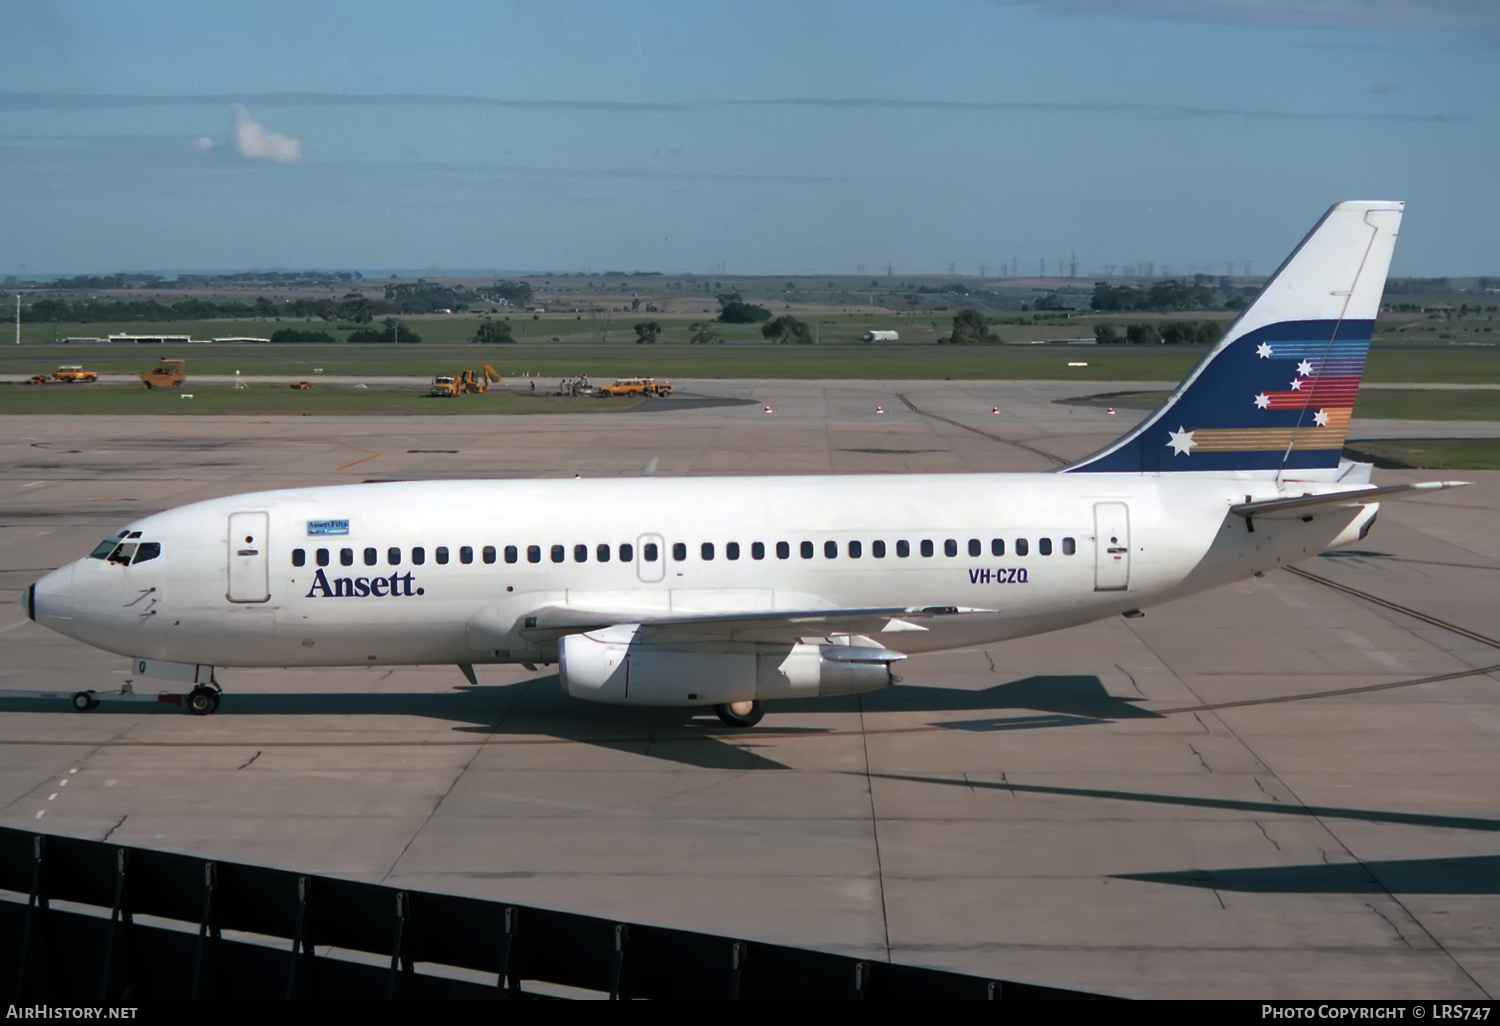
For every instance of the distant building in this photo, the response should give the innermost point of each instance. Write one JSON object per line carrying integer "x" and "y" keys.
{"x": 151, "y": 339}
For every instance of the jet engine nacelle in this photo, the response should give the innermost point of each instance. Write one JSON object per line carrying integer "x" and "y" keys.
{"x": 618, "y": 667}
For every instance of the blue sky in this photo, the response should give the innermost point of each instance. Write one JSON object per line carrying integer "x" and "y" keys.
{"x": 767, "y": 137}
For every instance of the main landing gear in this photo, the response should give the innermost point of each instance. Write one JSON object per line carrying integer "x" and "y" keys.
{"x": 203, "y": 700}
{"x": 739, "y": 714}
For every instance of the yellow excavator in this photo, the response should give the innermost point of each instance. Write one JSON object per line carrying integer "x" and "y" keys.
{"x": 472, "y": 382}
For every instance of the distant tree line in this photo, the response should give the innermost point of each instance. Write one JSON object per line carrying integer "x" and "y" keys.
{"x": 369, "y": 334}
{"x": 1167, "y": 294}
{"x": 1172, "y": 333}
{"x": 970, "y": 327}
{"x": 404, "y": 299}
{"x": 734, "y": 310}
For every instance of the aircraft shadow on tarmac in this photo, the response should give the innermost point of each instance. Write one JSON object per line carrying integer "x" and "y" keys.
{"x": 690, "y": 736}
{"x": 1466, "y": 874}
{"x": 1267, "y": 808}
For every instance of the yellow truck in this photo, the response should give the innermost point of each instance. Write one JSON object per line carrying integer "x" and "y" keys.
{"x": 443, "y": 387}
{"x": 74, "y": 374}
{"x": 636, "y": 386}
{"x": 167, "y": 374}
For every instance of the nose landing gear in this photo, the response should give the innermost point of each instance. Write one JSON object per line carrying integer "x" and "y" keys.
{"x": 203, "y": 700}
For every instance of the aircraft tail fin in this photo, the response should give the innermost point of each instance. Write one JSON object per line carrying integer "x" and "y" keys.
{"x": 1277, "y": 392}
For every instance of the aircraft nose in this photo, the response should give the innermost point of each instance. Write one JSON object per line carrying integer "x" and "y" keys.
{"x": 50, "y": 600}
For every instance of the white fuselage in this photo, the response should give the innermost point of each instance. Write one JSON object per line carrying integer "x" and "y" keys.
{"x": 1094, "y": 546}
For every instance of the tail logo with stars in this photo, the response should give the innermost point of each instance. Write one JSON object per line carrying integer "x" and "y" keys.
{"x": 1277, "y": 392}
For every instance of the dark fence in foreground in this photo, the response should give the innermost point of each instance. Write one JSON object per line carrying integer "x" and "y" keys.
{"x": 104, "y": 923}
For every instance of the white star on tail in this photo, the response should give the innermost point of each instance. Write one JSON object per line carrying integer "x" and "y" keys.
{"x": 1304, "y": 369}
{"x": 1297, "y": 385}
{"x": 1181, "y": 441}
{"x": 1262, "y": 402}
{"x": 1321, "y": 418}
{"x": 1263, "y": 351}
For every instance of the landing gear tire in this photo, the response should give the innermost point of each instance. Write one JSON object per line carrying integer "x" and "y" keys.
{"x": 84, "y": 701}
{"x": 739, "y": 714}
{"x": 202, "y": 701}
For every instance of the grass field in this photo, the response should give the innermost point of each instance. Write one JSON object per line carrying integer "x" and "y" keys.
{"x": 580, "y": 354}
{"x": 1429, "y": 453}
{"x": 280, "y": 401}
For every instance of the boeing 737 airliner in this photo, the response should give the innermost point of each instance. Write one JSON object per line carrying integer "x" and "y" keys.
{"x": 727, "y": 592}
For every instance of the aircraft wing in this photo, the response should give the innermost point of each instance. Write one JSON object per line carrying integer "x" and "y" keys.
{"x": 1300, "y": 506}
{"x": 773, "y": 626}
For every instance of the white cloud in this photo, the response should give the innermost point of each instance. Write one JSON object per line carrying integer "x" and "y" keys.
{"x": 251, "y": 140}
{"x": 1397, "y": 15}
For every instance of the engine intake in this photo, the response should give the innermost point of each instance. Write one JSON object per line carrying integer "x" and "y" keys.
{"x": 617, "y": 667}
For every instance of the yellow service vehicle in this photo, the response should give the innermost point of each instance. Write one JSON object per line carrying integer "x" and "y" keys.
{"x": 636, "y": 386}
{"x": 167, "y": 374}
{"x": 443, "y": 386}
{"x": 72, "y": 372}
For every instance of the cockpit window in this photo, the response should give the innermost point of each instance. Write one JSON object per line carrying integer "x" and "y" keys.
{"x": 147, "y": 550}
{"x": 103, "y": 549}
{"x": 122, "y": 554}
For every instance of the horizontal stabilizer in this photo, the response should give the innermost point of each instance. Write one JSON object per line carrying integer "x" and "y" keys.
{"x": 1305, "y": 505}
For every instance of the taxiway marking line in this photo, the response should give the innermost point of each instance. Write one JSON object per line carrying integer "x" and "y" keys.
{"x": 994, "y": 438}
{"x": 1405, "y": 611}
{"x": 356, "y": 448}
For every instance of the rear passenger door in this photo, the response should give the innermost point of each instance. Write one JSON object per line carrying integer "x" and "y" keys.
{"x": 650, "y": 558}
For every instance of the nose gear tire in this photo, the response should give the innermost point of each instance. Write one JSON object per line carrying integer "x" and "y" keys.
{"x": 203, "y": 701}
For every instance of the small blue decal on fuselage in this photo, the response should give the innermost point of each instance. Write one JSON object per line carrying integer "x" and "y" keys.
{"x": 326, "y": 528}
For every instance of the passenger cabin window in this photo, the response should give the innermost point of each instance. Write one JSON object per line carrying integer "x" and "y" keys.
{"x": 975, "y": 549}
{"x": 927, "y": 546}
{"x": 1044, "y": 546}
{"x": 1021, "y": 547}
{"x": 807, "y": 550}
{"x": 418, "y": 555}
{"x": 997, "y": 546}
{"x": 580, "y": 553}
{"x": 371, "y": 556}
{"x": 679, "y": 551}
{"x": 558, "y": 553}
{"x": 441, "y": 555}
{"x": 601, "y": 553}
{"x": 950, "y": 547}
{"x": 299, "y": 557}
{"x": 533, "y": 553}
{"x": 465, "y": 554}
{"x": 830, "y": 550}
{"x": 783, "y": 550}
{"x": 147, "y": 550}
{"x": 488, "y": 553}
{"x": 757, "y": 550}
{"x": 649, "y": 552}
{"x": 393, "y": 556}
{"x": 706, "y": 551}
{"x": 322, "y": 557}
{"x": 855, "y": 550}
{"x": 877, "y": 549}
{"x": 346, "y": 557}
{"x": 1069, "y": 546}
{"x": 511, "y": 555}
{"x": 731, "y": 550}
{"x": 627, "y": 552}
{"x": 903, "y": 549}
